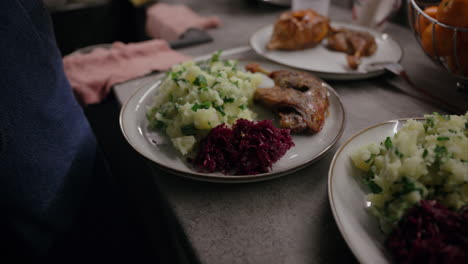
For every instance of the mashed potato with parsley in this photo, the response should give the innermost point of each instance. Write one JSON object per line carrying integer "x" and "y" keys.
{"x": 194, "y": 98}
{"x": 423, "y": 160}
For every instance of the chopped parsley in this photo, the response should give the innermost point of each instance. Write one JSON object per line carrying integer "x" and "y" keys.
{"x": 204, "y": 105}
{"x": 216, "y": 56}
{"x": 429, "y": 123}
{"x": 156, "y": 124}
{"x": 243, "y": 107}
{"x": 189, "y": 130}
{"x": 442, "y": 138}
{"x": 220, "y": 109}
{"x": 425, "y": 153}
{"x": 372, "y": 156}
{"x": 445, "y": 117}
{"x": 175, "y": 75}
{"x": 200, "y": 81}
{"x": 374, "y": 187}
{"x": 228, "y": 100}
{"x": 398, "y": 153}
{"x": 440, "y": 152}
{"x": 407, "y": 186}
{"x": 388, "y": 143}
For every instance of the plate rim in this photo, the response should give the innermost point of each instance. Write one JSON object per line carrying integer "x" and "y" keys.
{"x": 231, "y": 178}
{"x": 331, "y": 201}
{"x": 333, "y": 75}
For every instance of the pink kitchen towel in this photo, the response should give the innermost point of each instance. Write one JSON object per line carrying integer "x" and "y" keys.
{"x": 169, "y": 22}
{"x": 92, "y": 75}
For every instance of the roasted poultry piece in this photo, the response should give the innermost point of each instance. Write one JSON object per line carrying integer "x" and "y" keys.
{"x": 355, "y": 43}
{"x": 300, "y": 99}
{"x": 299, "y": 29}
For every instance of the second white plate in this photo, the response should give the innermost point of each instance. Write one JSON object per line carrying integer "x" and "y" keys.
{"x": 348, "y": 197}
{"x": 325, "y": 63}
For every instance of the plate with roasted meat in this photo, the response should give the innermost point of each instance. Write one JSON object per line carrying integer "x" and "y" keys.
{"x": 306, "y": 40}
{"x": 202, "y": 120}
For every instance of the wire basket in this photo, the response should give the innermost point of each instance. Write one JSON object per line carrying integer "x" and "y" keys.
{"x": 448, "y": 52}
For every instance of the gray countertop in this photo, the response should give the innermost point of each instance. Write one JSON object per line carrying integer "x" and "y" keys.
{"x": 289, "y": 220}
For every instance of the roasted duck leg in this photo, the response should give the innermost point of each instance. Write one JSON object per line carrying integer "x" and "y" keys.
{"x": 300, "y": 99}
{"x": 354, "y": 43}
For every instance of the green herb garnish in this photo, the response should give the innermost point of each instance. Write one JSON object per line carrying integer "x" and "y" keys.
{"x": 429, "y": 123}
{"x": 374, "y": 187}
{"x": 189, "y": 130}
{"x": 407, "y": 187}
{"x": 440, "y": 152}
{"x": 388, "y": 143}
{"x": 228, "y": 100}
{"x": 216, "y": 56}
{"x": 398, "y": 153}
{"x": 372, "y": 156}
{"x": 200, "y": 81}
{"x": 204, "y": 105}
{"x": 220, "y": 109}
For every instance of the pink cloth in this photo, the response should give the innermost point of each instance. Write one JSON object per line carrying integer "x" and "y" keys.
{"x": 169, "y": 22}
{"x": 92, "y": 75}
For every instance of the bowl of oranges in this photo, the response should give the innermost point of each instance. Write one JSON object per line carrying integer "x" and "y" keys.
{"x": 441, "y": 28}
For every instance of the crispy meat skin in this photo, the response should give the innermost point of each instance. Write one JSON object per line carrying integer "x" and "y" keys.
{"x": 299, "y": 98}
{"x": 301, "y": 29}
{"x": 354, "y": 43}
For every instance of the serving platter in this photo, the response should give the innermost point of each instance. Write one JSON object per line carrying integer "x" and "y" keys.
{"x": 347, "y": 196}
{"x": 157, "y": 147}
{"x": 327, "y": 64}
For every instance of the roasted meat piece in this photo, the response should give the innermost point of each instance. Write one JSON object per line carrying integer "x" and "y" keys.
{"x": 354, "y": 43}
{"x": 300, "y": 99}
{"x": 299, "y": 29}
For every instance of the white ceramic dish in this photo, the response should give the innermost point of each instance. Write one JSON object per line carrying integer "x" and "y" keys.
{"x": 329, "y": 64}
{"x": 347, "y": 196}
{"x": 158, "y": 148}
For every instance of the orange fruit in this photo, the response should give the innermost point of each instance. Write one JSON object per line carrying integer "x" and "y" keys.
{"x": 423, "y": 22}
{"x": 453, "y": 12}
{"x": 443, "y": 41}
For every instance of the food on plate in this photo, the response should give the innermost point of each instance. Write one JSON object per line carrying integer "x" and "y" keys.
{"x": 204, "y": 109}
{"x": 194, "y": 98}
{"x": 431, "y": 233}
{"x": 300, "y": 99}
{"x": 245, "y": 148}
{"x": 301, "y": 29}
{"x": 423, "y": 160}
{"x": 355, "y": 43}
{"x": 418, "y": 181}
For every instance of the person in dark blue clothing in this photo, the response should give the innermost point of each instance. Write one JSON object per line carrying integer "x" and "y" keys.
{"x": 58, "y": 199}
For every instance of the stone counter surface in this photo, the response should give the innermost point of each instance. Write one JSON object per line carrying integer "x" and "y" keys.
{"x": 289, "y": 220}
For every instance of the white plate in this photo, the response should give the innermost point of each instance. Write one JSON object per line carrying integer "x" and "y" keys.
{"x": 347, "y": 196}
{"x": 329, "y": 64}
{"x": 158, "y": 148}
